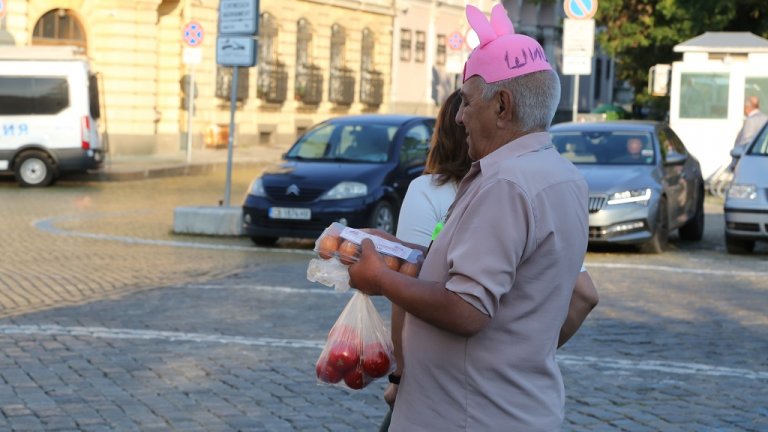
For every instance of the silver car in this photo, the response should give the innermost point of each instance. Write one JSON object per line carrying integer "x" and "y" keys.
{"x": 746, "y": 203}
{"x": 643, "y": 183}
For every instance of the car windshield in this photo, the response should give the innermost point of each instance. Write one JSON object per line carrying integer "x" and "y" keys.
{"x": 605, "y": 147}
{"x": 347, "y": 142}
{"x": 760, "y": 146}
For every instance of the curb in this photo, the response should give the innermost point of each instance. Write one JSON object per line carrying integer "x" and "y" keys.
{"x": 128, "y": 174}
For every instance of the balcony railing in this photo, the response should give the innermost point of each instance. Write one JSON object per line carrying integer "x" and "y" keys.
{"x": 372, "y": 88}
{"x": 342, "y": 86}
{"x": 273, "y": 82}
{"x": 309, "y": 85}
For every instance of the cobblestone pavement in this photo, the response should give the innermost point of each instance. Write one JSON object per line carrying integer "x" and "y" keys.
{"x": 110, "y": 322}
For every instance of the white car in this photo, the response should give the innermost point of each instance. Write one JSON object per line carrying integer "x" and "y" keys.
{"x": 746, "y": 203}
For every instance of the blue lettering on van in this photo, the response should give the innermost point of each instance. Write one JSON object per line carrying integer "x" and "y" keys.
{"x": 15, "y": 129}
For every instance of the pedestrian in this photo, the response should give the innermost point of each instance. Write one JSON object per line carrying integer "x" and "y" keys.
{"x": 423, "y": 210}
{"x": 754, "y": 120}
{"x": 484, "y": 317}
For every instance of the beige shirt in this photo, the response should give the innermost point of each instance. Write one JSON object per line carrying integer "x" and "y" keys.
{"x": 512, "y": 247}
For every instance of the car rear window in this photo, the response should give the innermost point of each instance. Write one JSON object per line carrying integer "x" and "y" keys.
{"x": 605, "y": 148}
{"x": 345, "y": 142}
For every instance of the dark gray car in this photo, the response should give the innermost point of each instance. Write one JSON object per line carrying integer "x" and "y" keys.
{"x": 643, "y": 183}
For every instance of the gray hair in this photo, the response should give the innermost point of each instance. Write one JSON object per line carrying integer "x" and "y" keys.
{"x": 535, "y": 97}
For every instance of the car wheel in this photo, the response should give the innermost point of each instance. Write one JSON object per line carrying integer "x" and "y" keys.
{"x": 383, "y": 217}
{"x": 658, "y": 241}
{"x": 34, "y": 169}
{"x": 693, "y": 230}
{"x": 738, "y": 246}
{"x": 264, "y": 241}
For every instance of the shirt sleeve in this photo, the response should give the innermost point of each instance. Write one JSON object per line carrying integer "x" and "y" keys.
{"x": 418, "y": 214}
{"x": 492, "y": 238}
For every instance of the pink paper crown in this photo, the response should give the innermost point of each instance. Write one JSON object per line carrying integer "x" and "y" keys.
{"x": 502, "y": 54}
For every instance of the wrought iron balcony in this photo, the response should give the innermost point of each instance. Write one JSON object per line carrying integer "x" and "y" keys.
{"x": 342, "y": 86}
{"x": 371, "y": 88}
{"x": 273, "y": 82}
{"x": 309, "y": 85}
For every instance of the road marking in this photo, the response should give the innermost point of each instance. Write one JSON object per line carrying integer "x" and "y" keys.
{"x": 669, "y": 367}
{"x": 589, "y": 265}
{"x": 48, "y": 225}
{"x": 282, "y": 289}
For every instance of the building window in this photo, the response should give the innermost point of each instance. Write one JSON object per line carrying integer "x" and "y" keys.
{"x": 272, "y": 83}
{"x": 440, "y": 50}
{"x": 421, "y": 45}
{"x": 405, "y": 45}
{"x": 367, "y": 47}
{"x": 371, "y": 81}
{"x": 338, "y": 45}
{"x": 59, "y": 27}
{"x": 704, "y": 95}
{"x": 341, "y": 87}
{"x": 308, "y": 87}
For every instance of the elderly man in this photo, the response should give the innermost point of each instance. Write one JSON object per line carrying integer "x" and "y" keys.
{"x": 753, "y": 121}
{"x": 484, "y": 316}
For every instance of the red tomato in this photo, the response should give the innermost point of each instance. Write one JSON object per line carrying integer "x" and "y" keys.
{"x": 375, "y": 360}
{"x": 355, "y": 378}
{"x": 326, "y": 373}
{"x": 344, "y": 355}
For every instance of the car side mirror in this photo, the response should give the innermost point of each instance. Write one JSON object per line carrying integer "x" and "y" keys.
{"x": 675, "y": 159}
{"x": 737, "y": 151}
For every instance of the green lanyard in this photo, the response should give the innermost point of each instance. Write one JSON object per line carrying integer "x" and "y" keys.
{"x": 436, "y": 231}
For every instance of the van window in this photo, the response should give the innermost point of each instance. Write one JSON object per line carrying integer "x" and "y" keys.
{"x": 93, "y": 96}
{"x": 28, "y": 95}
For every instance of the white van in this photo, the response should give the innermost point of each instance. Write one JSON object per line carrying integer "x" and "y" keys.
{"x": 49, "y": 113}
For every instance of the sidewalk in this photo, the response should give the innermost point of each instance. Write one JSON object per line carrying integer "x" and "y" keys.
{"x": 138, "y": 167}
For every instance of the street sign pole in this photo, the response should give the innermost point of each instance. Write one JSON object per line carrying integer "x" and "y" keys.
{"x": 190, "y": 111}
{"x": 575, "y": 97}
{"x": 230, "y": 143}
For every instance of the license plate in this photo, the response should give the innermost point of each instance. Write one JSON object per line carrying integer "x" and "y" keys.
{"x": 290, "y": 213}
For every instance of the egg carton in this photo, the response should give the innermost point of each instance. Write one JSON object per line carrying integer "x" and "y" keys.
{"x": 342, "y": 242}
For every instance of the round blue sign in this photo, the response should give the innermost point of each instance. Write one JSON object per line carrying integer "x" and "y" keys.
{"x": 193, "y": 34}
{"x": 580, "y": 9}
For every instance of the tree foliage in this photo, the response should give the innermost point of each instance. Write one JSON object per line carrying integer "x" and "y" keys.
{"x": 642, "y": 33}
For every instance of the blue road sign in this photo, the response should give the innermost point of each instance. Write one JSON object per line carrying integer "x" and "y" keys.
{"x": 193, "y": 34}
{"x": 580, "y": 9}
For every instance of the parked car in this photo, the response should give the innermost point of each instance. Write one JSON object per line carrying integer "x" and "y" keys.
{"x": 351, "y": 169}
{"x": 746, "y": 202}
{"x": 643, "y": 183}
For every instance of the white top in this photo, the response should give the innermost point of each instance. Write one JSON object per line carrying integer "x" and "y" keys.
{"x": 425, "y": 204}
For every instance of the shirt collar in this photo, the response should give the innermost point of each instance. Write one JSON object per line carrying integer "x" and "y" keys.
{"x": 525, "y": 144}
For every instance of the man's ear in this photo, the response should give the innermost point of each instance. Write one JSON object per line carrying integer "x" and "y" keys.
{"x": 504, "y": 106}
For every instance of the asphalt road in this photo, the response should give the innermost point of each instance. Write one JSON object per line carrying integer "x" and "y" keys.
{"x": 109, "y": 321}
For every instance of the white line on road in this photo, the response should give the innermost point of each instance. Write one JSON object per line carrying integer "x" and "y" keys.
{"x": 48, "y": 225}
{"x": 669, "y": 367}
{"x": 283, "y": 289}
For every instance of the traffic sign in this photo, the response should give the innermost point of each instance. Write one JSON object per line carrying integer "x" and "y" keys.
{"x": 238, "y": 17}
{"x": 578, "y": 37}
{"x": 236, "y": 51}
{"x": 577, "y": 65}
{"x": 580, "y": 9}
{"x": 192, "y": 56}
{"x": 193, "y": 34}
{"x": 3, "y": 9}
{"x": 456, "y": 41}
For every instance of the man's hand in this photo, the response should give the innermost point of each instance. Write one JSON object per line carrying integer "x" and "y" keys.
{"x": 364, "y": 274}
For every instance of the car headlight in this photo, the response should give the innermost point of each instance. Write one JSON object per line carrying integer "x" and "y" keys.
{"x": 346, "y": 189}
{"x": 742, "y": 191}
{"x": 257, "y": 188}
{"x": 640, "y": 196}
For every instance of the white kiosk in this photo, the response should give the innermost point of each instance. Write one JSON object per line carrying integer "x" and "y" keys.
{"x": 708, "y": 89}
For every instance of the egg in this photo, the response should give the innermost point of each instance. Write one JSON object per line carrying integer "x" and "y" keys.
{"x": 348, "y": 252}
{"x": 393, "y": 262}
{"x": 409, "y": 268}
{"x": 327, "y": 246}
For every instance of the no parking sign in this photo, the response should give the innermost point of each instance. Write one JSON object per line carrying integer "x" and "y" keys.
{"x": 580, "y": 9}
{"x": 3, "y": 9}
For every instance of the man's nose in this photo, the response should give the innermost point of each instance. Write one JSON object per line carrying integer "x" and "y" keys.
{"x": 460, "y": 116}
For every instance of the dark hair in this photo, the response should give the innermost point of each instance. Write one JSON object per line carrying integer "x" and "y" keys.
{"x": 448, "y": 156}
